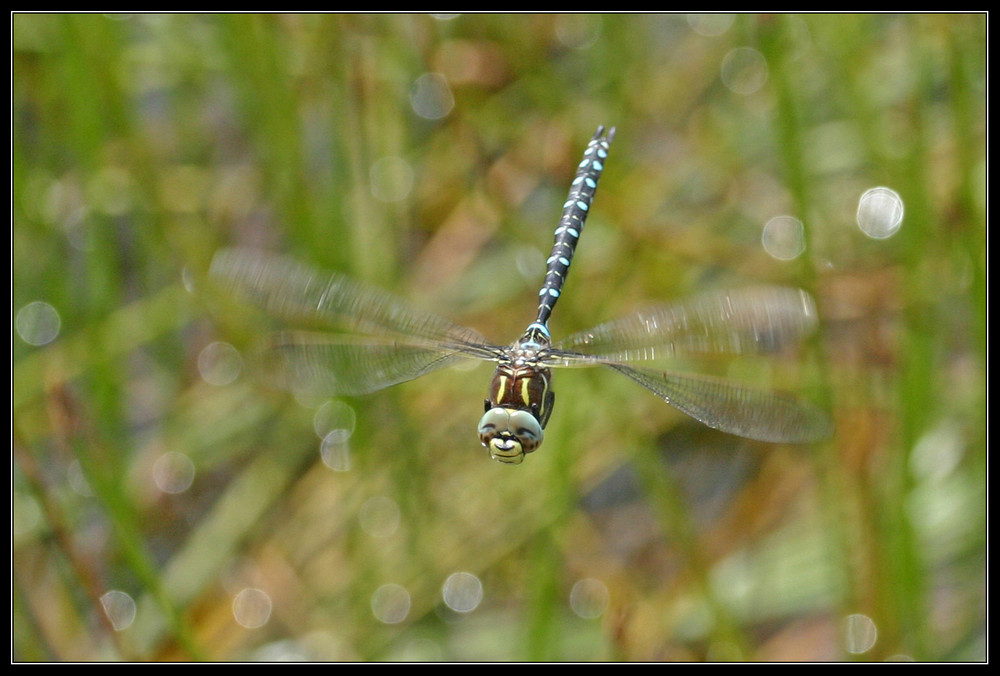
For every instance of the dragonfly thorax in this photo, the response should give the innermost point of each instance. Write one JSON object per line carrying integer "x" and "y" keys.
{"x": 520, "y": 400}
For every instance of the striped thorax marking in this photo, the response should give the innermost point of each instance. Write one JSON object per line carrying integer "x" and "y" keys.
{"x": 522, "y": 383}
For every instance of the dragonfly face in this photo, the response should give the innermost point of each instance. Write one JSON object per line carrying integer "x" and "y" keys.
{"x": 509, "y": 433}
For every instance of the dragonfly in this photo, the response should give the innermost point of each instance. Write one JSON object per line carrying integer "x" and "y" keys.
{"x": 350, "y": 338}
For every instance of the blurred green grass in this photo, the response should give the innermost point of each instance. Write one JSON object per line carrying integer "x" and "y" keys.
{"x": 143, "y": 143}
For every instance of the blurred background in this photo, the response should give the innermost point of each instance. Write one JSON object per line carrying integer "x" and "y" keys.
{"x": 169, "y": 504}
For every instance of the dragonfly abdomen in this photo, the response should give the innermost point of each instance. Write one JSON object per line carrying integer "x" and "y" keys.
{"x": 574, "y": 215}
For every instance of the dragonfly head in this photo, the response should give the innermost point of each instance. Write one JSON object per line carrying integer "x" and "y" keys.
{"x": 510, "y": 433}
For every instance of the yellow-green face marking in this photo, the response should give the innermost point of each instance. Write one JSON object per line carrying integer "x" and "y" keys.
{"x": 509, "y": 434}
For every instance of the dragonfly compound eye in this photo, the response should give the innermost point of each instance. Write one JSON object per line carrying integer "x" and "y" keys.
{"x": 509, "y": 434}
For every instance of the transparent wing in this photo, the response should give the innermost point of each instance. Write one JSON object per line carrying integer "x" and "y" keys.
{"x": 734, "y": 408}
{"x": 383, "y": 340}
{"x": 753, "y": 320}
{"x": 294, "y": 292}
{"x": 331, "y": 365}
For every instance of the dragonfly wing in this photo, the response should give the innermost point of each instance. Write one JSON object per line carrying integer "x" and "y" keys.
{"x": 754, "y": 320}
{"x": 382, "y": 340}
{"x": 331, "y": 365}
{"x": 294, "y": 292}
{"x": 734, "y": 408}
